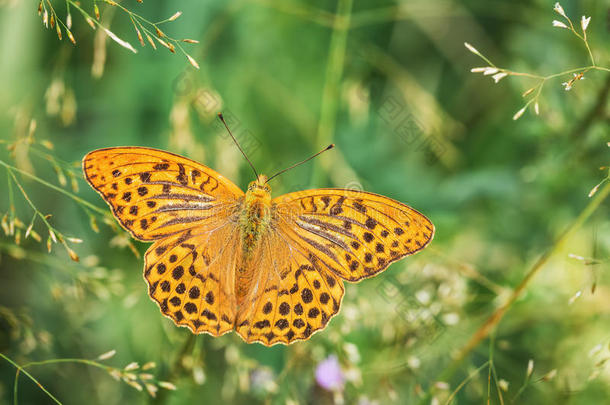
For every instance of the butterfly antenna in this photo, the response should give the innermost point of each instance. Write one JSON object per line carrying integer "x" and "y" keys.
{"x": 237, "y": 143}
{"x": 329, "y": 147}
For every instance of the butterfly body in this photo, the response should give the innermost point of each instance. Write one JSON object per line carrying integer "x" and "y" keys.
{"x": 254, "y": 221}
{"x": 256, "y": 214}
{"x": 273, "y": 270}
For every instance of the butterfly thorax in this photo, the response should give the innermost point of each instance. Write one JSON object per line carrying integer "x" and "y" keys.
{"x": 256, "y": 214}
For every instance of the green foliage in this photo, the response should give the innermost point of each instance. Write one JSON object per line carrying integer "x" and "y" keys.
{"x": 508, "y": 305}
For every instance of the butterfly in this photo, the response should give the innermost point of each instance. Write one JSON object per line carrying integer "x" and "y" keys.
{"x": 272, "y": 269}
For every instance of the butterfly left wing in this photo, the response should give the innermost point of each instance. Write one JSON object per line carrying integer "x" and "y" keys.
{"x": 154, "y": 193}
{"x": 358, "y": 234}
{"x": 191, "y": 212}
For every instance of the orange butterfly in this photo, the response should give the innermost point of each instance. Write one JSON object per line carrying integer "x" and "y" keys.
{"x": 272, "y": 269}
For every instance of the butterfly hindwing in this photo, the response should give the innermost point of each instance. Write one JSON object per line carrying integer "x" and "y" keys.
{"x": 154, "y": 193}
{"x": 191, "y": 276}
{"x": 358, "y": 234}
{"x": 293, "y": 296}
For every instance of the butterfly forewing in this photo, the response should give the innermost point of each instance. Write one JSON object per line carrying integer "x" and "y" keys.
{"x": 154, "y": 194}
{"x": 358, "y": 234}
{"x": 294, "y": 295}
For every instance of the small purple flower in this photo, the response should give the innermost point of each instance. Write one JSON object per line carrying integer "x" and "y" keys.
{"x": 329, "y": 375}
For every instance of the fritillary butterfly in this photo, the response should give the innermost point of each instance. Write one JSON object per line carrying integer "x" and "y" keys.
{"x": 222, "y": 260}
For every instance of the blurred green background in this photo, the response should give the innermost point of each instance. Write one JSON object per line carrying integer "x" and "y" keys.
{"x": 389, "y": 82}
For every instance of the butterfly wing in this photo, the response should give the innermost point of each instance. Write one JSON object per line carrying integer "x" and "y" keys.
{"x": 315, "y": 239}
{"x": 154, "y": 194}
{"x": 191, "y": 276}
{"x": 191, "y": 212}
{"x": 356, "y": 233}
{"x": 294, "y": 295}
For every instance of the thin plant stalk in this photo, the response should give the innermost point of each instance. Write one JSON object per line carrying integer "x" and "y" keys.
{"x": 20, "y": 369}
{"x": 334, "y": 73}
{"x": 492, "y": 321}
{"x": 56, "y": 188}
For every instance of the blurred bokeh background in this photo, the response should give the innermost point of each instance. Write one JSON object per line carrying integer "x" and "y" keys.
{"x": 389, "y": 82}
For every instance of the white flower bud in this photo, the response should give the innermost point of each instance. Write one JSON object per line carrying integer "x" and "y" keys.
{"x": 499, "y": 76}
{"x": 132, "y": 366}
{"x": 519, "y": 113}
{"x": 530, "y": 368}
{"x": 471, "y": 48}
{"x": 584, "y": 23}
{"x": 106, "y": 355}
{"x": 558, "y": 9}
{"x": 594, "y": 190}
{"x": 175, "y": 16}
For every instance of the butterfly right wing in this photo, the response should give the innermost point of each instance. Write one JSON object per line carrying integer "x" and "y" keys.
{"x": 315, "y": 239}
{"x": 191, "y": 275}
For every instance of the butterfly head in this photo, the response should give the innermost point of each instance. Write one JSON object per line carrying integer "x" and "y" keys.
{"x": 259, "y": 188}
